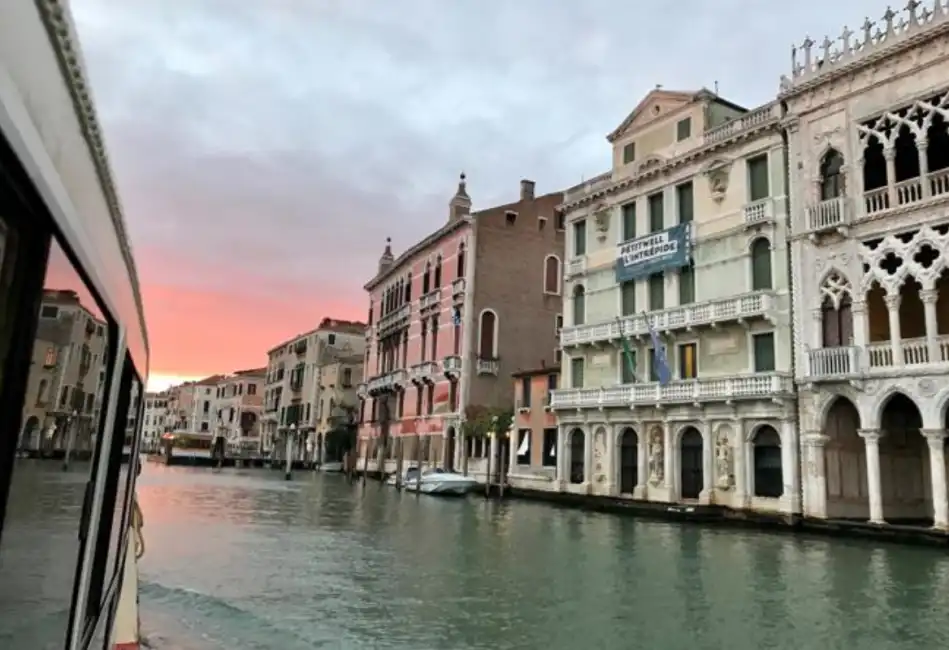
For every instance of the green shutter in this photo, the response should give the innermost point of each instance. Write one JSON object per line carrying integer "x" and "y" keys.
{"x": 580, "y": 238}
{"x": 684, "y": 202}
{"x": 629, "y": 221}
{"x": 764, "y": 352}
{"x": 628, "y": 297}
{"x": 759, "y": 187}
{"x": 656, "y": 217}
{"x": 576, "y": 372}
{"x": 657, "y": 293}
{"x": 629, "y": 153}
{"x": 684, "y": 129}
{"x": 686, "y": 285}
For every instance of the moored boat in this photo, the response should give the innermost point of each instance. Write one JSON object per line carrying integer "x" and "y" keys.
{"x": 435, "y": 481}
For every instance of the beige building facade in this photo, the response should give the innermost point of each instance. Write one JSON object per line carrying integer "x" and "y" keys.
{"x": 237, "y": 408}
{"x": 681, "y": 246}
{"x": 64, "y": 390}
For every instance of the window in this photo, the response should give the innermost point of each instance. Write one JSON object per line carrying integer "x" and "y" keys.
{"x": 552, "y": 275}
{"x": 656, "y": 216}
{"x": 251, "y": 389}
{"x": 629, "y": 220}
{"x": 510, "y": 217}
{"x": 831, "y": 175}
{"x": 558, "y": 324}
{"x": 580, "y": 238}
{"x": 579, "y": 305}
{"x": 837, "y": 322}
{"x": 758, "y": 185}
{"x": 426, "y": 280}
{"x": 438, "y": 273}
{"x": 331, "y": 339}
{"x": 687, "y": 284}
{"x": 347, "y": 377}
{"x": 657, "y": 292}
{"x": 523, "y": 447}
{"x": 460, "y": 266}
{"x": 488, "y": 332}
{"x": 763, "y": 350}
{"x": 760, "y": 264}
{"x": 551, "y": 386}
{"x": 688, "y": 361}
{"x": 576, "y": 372}
{"x": 684, "y": 202}
{"x": 561, "y": 220}
{"x": 684, "y": 129}
{"x": 653, "y": 368}
{"x": 525, "y": 392}
{"x": 550, "y": 448}
{"x": 627, "y": 367}
{"x": 628, "y": 298}
{"x": 629, "y": 153}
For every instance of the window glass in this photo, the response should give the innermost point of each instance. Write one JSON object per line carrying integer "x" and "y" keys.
{"x": 57, "y": 440}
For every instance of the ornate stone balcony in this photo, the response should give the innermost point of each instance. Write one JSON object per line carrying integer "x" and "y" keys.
{"x": 381, "y": 384}
{"x": 757, "y": 304}
{"x": 430, "y": 299}
{"x": 488, "y": 366}
{"x": 576, "y": 266}
{"x": 423, "y": 372}
{"x": 759, "y": 212}
{"x": 907, "y": 193}
{"x": 824, "y": 216}
{"x": 451, "y": 366}
{"x": 394, "y": 319}
{"x": 765, "y": 385}
{"x": 458, "y": 287}
{"x": 362, "y": 390}
{"x": 918, "y": 355}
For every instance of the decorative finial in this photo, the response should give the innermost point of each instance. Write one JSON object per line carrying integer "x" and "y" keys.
{"x": 462, "y": 177}
{"x": 388, "y": 241}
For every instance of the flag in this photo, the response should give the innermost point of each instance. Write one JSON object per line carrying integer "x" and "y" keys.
{"x": 628, "y": 357}
{"x": 658, "y": 354}
{"x": 456, "y": 317}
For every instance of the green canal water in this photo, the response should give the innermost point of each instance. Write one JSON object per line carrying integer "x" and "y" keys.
{"x": 244, "y": 560}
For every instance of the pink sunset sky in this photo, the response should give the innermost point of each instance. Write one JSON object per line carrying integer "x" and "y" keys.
{"x": 265, "y": 150}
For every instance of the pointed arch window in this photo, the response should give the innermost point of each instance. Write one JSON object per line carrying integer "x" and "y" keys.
{"x": 460, "y": 271}
{"x": 408, "y": 289}
{"x": 836, "y": 322}
{"x": 579, "y": 305}
{"x": 438, "y": 273}
{"x": 761, "y": 264}
{"x": 487, "y": 339}
{"x": 552, "y": 275}
{"x": 426, "y": 278}
{"x": 831, "y": 175}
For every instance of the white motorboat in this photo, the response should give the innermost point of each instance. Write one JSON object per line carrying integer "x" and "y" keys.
{"x": 436, "y": 481}
{"x": 334, "y": 467}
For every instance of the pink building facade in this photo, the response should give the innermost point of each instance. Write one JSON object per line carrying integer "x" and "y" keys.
{"x": 452, "y": 317}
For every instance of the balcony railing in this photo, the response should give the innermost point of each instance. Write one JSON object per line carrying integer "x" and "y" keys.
{"x": 488, "y": 366}
{"x": 381, "y": 383}
{"x": 762, "y": 116}
{"x": 451, "y": 365}
{"x": 577, "y": 266}
{"x": 430, "y": 299}
{"x": 759, "y": 212}
{"x": 423, "y": 372}
{"x": 393, "y": 318}
{"x": 857, "y": 360}
{"x": 906, "y": 193}
{"x": 458, "y": 287}
{"x": 757, "y": 304}
{"x": 828, "y": 215}
{"x": 712, "y": 389}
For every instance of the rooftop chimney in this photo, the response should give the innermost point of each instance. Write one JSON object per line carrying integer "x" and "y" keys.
{"x": 527, "y": 190}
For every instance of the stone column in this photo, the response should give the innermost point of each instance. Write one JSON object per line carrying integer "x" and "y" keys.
{"x": 871, "y": 438}
{"x": 514, "y": 438}
{"x": 929, "y": 298}
{"x": 858, "y": 312}
{"x": 708, "y": 463}
{"x": 741, "y": 465}
{"x": 815, "y": 478}
{"x": 562, "y": 469}
{"x": 937, "y": 470}
{"x": 889, "y": 154}
{"x": 790, "y": 466}
{"x": 893, "y": 310}
{"x": 668, "y": 462}
{"x": 921, "y": 144}
{"x": 588, "y": 437}
{"x": 642, "y": 460}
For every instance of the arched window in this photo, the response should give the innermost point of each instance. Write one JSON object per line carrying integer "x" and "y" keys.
{"x": 487, "y": 336}
{"x": 438, "y": 273}
{"x": 41, "y": 394}
{"x": 760, "y": 264}
{"x": 579, "y": 305}
{"x": 769, "y": 477}
{"x": 426, "y": 278}
{"x": 831, "y": 175}
{"x": 408, "y": 288}
{"x": 460, "y": 271}
{"x": 552, "y": 275}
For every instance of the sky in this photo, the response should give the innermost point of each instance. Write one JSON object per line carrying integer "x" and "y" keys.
{"x": 265, "y": 149}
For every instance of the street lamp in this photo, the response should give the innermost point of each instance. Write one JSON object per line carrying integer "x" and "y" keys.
{"x": 291, "y": 436}
{"x": 70, "y": 436}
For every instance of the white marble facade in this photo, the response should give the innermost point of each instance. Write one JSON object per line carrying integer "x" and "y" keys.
{"x": 868, "y": 154}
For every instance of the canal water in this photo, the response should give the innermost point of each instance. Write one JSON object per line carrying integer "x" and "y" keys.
{"x": 244, "y": 560}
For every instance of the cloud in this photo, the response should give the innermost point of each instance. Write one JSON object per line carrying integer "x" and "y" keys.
{"x": 265, "y": 150}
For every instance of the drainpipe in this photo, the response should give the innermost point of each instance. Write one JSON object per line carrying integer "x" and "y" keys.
{"x": 467, "y": 342}
{"x": 788, "y": 230}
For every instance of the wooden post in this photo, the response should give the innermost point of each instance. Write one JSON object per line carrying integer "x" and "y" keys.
{"x": 384, "y": 440}
{"x": 487, "y": 471}
{"x": 365, "y": 460}
{"x": 418, "y": 463}
{"x": 503, "y": 475}
{"x": 464, "y": 453}
{"x": 400, "y": 462}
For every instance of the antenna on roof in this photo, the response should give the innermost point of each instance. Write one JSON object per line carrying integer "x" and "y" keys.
{"x": 716, "y": 87}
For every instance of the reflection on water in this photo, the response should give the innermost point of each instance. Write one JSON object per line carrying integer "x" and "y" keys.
{"x": 246, "y": 560}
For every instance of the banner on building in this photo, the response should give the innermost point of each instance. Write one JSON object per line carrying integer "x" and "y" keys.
{"x": 659, "y": 251}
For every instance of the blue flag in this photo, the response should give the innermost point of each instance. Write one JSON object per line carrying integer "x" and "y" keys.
{"x": 456, "y": 317}
{"x": 658, "y": 355}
